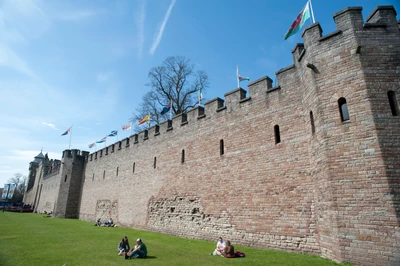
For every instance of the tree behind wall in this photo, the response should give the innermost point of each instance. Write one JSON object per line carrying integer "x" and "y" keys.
{"x": 175, "y": 80}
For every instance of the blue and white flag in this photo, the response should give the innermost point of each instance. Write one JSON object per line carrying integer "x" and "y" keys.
{"x": 113, "y": 133}
{"x": 166, "y": 109}
{"x": 102, "y": 140}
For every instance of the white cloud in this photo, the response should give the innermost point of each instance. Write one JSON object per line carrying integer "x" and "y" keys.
{"x": 160, "y": 32}
{"x": 11, "y": 60}
{"x": 139, "y": 21}
{"x": 50, "y": 125}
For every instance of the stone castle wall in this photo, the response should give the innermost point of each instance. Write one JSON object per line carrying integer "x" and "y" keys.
{"x": 328, "y": 187}
{"x": 50, "y": 187}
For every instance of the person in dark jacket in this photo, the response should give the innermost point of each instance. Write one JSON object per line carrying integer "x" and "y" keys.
{"x": 123, "y": 246}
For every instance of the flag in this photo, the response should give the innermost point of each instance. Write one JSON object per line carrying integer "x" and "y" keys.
{"x": 102, "y": 140}
{"x": 200, "y": 94}
{"x": 243, "y": 78}
{"x": 5, "y": 191}
{"x": 66, "y": 132}
{"x": 166, "y": 109}
{"x": 8, "y": 191}
{"x": 91, "y": 145}
{"x": 11, "y": 190}
{"x": 113, "y": 133}
{"x": 145, "y": 119}
{"x": 299, "y": 22}
{"x": 127, "y": 127}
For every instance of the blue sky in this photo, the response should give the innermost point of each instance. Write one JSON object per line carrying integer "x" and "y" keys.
{"x": 86, "y": 62}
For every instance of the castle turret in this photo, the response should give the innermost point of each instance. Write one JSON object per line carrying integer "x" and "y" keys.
{"x": 67, "y": 203}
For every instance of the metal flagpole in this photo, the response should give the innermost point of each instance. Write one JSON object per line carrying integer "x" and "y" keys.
{"x": 237, "y": 76}
{"x": 170, "y": 109}
{"x": 70, "y": 135}
{"x": 312, "y": 12}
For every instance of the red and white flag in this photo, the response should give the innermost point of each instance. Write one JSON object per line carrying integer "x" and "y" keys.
{"x": 127, "y": 127}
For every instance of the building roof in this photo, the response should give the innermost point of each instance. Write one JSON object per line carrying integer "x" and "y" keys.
{"x": 38, "y": 158}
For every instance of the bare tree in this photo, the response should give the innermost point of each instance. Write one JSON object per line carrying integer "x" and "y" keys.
{"x": 175, "y": 81}
{"x": 20, "y": 181}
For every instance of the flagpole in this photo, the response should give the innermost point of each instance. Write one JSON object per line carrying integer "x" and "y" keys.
{"x": 70, "y": 135}
{"x": 170, "y": 109}
{"x": 237, "y": 76}
{"x": 312, "y": 12}
{"x": 131, "y": 129}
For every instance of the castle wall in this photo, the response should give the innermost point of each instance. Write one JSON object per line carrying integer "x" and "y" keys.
{"x": 360, "y": 182}
{"x": 243, "y": 194}
{"x": 50, "y": 187}
{"x": 328, "y": 187}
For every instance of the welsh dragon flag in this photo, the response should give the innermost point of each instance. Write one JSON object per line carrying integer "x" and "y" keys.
{"x": 299, "y": 22}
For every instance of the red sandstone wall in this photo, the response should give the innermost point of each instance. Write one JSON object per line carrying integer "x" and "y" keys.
{"x": 332, "y": 193}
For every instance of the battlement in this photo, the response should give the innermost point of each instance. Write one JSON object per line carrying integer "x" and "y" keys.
{"x": 309, "y": 165}
{"x": 306, "y": 56}
{"x": 75, "y": 153}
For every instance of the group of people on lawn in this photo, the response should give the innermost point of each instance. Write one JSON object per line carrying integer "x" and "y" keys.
{"x": 224, "y": 249}
{"x": 139, "y": 251}
{"x": 109, "y": 223}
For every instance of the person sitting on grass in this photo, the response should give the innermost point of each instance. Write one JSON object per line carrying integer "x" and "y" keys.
{"x": 109, "y": 223}
{"x": 123, "y": 246}
{"x": 98, "y": 222}
{"x": 140, "y": 250}
{"x": 229, "y": 251}
{"x": 220, "y": 247}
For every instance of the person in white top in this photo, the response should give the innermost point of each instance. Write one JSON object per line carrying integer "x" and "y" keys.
{"x": 220, "y": 247}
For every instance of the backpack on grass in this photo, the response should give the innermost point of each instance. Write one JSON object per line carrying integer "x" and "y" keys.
{"x": 239, "y": 254}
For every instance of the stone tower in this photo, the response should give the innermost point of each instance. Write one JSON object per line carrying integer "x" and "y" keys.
{"x": 71, "y": 178}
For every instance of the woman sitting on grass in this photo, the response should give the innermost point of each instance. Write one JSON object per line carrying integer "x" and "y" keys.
{"x": 229, "y": 251}
{"x": 123, "y": 246}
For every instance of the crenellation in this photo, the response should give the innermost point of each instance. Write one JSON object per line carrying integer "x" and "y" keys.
{"x": 349, "y": 19}
{"x": 191, "y": 116}
{"x": 233, "y": 98}
{"x": 311, "y": 35}
{"x": 212, "y": 106}
{"x": 385, "y": 15}
{"x": 299, "y": 175}
{"x": 285, "y": 75}
{"x": 260, "y": 85}
{"x": 298, "y": 52}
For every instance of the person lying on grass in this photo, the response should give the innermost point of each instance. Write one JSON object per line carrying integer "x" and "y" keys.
{"x": 140, "y": 250}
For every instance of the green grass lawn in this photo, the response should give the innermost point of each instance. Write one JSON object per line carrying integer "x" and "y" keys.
{"x": 31, "y": 239}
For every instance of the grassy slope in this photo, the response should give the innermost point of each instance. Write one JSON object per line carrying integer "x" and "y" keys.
{"x": 31, "y": 239}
